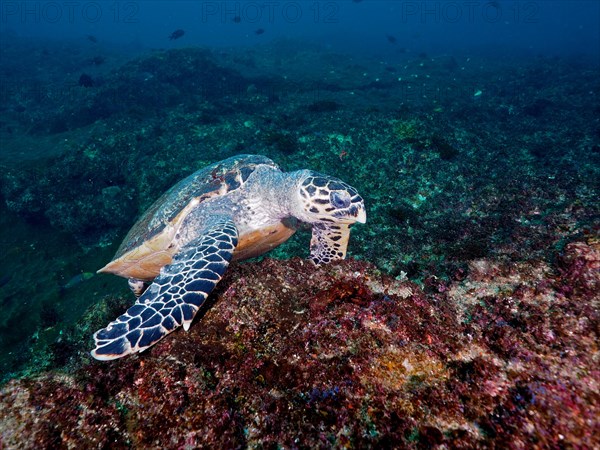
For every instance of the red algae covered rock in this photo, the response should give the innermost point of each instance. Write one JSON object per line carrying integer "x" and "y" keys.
{"x": 293, "y": 356}
{"x": 580, "y": 267}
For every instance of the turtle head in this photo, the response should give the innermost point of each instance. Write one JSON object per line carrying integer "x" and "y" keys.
{"x": 328, "y": 200}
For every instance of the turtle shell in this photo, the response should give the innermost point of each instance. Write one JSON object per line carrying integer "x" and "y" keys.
{"x": 147, "y": 246}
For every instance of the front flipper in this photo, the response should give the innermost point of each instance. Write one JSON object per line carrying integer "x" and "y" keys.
{"x": 329, "y": 242}
{"x": 174, "y": 297}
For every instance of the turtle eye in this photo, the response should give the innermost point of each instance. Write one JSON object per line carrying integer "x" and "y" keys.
{"x": 339, "y": 199}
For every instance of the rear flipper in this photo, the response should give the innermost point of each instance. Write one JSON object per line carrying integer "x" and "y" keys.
{"x": 138, "y": 287}
{"x": 173, "y": 298}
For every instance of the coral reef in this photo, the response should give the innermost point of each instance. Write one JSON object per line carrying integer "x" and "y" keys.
{"x": 343, "y": 356}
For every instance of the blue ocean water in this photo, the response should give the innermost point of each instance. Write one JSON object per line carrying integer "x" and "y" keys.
{"x": 551, "y": 28}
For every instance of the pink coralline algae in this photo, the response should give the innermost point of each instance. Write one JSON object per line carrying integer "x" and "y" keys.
{"x": 293, "y": 356}
{"x": 580, "y": 268}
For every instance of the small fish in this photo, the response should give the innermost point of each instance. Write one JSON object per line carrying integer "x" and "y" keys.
{"x": 176, "y": 34}
{"x": 5, "y": 279}
{"x": 85, "y": 81}
{"x": 391, "y": 39}
{"x": 78, "y": 279}
{"x": 92, "y": 38}
{"x": 97, "y": 60}
{"x": 237, "y": 19}
{"x": 259, "y": 31}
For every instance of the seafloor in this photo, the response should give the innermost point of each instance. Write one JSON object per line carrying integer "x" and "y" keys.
{"x": 466, "y": 316}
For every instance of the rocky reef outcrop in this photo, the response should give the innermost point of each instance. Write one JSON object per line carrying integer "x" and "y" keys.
{"x": 289, "y": 356}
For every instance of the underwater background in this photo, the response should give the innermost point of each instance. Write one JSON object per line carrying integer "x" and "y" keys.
{"x": 467, "y": 314}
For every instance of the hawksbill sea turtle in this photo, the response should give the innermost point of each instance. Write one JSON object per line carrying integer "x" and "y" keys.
{"x": 232, "y": 210}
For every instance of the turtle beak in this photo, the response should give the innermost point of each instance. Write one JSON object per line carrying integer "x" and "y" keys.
{"x": 361, "y": 213}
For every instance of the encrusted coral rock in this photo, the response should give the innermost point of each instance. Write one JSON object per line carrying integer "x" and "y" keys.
{"x": 289, "y": 355}
{"x": 581, "y": 266}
